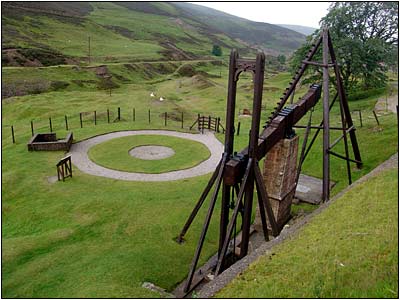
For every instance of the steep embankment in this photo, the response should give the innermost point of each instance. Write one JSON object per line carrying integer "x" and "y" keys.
{"x": 348, "y": 249}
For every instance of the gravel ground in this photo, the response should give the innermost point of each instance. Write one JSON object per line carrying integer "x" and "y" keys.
{"x": 79, "y": 156}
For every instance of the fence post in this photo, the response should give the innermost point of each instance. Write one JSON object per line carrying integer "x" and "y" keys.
{"x": 149, "y": 117}
{"x": 134, "y": 115}
{"x": 66, "y": 122}
{"x": 95, "y": 118}
{"x": 182, "y": 120}
{"x": 238, "y": 129}
{"x": 165, "y": 119}
{"x": 108, "y": 115}
{"x": 80, "y": 119}
{"x": 217, "y": 125}
{"x": 119, "y": 113}
{"x": 32, "y": 128}
{"x": 359, "y": 114}
{"x": 198, "y": 122}
{"x": 376, "y": 117}
{"x": 51, "y": 127}
{"x": 12, "y": 134}
{"x": 209, "y": 122}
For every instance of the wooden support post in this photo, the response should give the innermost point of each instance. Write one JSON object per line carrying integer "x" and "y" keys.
{"x": 217, "y": 126}
{"x": 165, "y": 119}
{"x": 133, "y": 115}
{"x": 95, "y": 118}
{"x": 149, "y": 117}
{"x": 12, "y": 134}
{"x": 50, "y": 125}
{"x": 376, "y": 117}
{"x": 359, "y": 114}
{"x": 80, "y": 119}
{"x": 238, "y": 129}
{"x": 182, "y": 120}
{"x": 119, "y": 113}
{"x": 345, "y": 104}
{"x": 32, "y": 128}
{"x": 108, "y": 115}
{"x": 66, "y": 122}
{"x": 198, "y": 122}
{"x": 325, "y": 88}
{"x": 209, "y": 122}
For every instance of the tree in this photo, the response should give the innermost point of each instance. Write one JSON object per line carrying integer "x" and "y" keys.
{"x": 216, "y": 50}
{"x": 281, "y": 59}
{"x": 365, "y": 36}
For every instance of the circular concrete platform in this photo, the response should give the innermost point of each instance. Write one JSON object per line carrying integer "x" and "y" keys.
{"x": 80, "y": 158}
{"x": 151, "y": 152}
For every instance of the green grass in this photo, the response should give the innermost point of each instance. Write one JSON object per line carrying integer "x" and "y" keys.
{"x": 114, "y": 154}
{"x": 98, "y": 237}
{"x": 90, "y": 236}
{"x": 350, "y": 250}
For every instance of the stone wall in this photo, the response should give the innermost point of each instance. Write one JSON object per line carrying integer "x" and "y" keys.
{"x": 280, "y": 168}
{"x": 49, "y": 142}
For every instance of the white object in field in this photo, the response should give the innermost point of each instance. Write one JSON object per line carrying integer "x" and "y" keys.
{"x": 161, "y": 99}
{"x": 152, "y": 94}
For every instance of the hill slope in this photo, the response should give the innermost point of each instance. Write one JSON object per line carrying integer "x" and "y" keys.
{"x": 299, "y": 28}
{"x": 50, "y": 33}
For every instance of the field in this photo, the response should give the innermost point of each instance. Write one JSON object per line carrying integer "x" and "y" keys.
{"x": 97, "y": 237}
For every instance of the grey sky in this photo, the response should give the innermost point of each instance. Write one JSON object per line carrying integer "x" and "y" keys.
{"x": 294, "y": 13}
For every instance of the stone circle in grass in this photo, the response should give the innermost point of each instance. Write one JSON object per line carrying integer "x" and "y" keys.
{"x": 151, "y": 152}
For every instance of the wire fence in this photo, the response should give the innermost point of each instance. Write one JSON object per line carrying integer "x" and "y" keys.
{"x": 175, "y": 120}
{"x": 158, "y": 119}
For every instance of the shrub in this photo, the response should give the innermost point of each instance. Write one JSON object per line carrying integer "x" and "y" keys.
{"x": 58, "y": 85}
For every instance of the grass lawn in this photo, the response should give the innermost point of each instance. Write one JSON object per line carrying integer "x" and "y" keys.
{"x": 114, "y": 154}
{"x": 350, "y": 250}
{"x": 98, "y": 237}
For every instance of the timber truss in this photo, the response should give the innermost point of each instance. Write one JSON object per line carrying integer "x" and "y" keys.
{"x": 238, "y": 174}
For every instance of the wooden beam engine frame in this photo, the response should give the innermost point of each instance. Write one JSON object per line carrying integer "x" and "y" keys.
{"x": 239, "y": 173}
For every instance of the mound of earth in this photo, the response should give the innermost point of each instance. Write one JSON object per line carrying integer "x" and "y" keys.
{"x": 198, "y": 81}
{"x": 201, "y": 82}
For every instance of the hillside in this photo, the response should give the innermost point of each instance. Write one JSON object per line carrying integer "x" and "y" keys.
{"x": 341, "y": 252}
{"x": 53, "y": 33}
{"x": 299, "y": 28}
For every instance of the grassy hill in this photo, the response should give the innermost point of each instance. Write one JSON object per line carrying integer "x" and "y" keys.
{"x": 299, "y": 28}
{"x": 349, "y": 250}
{"x": 53, "y": 33}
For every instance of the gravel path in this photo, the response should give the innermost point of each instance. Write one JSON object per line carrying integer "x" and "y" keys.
{"x": 79, "y": 156}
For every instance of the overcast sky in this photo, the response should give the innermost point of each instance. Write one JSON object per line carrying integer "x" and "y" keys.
{"x": 294, "y": 13}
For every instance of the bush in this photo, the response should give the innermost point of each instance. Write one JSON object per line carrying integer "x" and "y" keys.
{"x": 216, "y": 50}
{"x": 58, "y": 85}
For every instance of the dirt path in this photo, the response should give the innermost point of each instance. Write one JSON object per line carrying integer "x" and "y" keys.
{"x": 80, "y": 159}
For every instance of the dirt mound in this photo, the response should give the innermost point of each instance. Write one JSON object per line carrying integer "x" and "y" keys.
{"x": 187, "y": 70}
{"x": 32, "y": 57}
{"x": 201, "y": 82}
